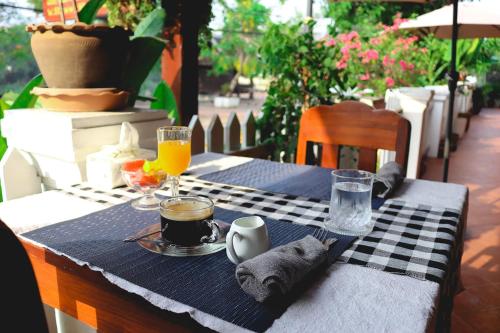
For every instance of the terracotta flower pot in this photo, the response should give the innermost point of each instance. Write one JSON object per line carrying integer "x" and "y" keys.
{"x": 80, "y": 55}
{"x": 86, "y": 100}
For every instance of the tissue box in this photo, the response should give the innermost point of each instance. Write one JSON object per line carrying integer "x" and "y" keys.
{"x": 103, "y": 170}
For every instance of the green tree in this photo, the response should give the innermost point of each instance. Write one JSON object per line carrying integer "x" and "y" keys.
{"x": 304, "y": 74}
{"x": 16, "y": 60}
{"x": 363, "y": 16}
{"x": 244, "y": 25}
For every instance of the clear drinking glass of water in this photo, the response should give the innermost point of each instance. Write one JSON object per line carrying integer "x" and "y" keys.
{"x": 350, "y": 204}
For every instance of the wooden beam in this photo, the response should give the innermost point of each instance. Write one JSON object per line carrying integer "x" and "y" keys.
{"x": 180, "y": 63}
{"x": 171, "y": 63}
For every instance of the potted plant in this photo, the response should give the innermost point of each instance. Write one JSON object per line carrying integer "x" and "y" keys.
{"x": 80, "y": 55}
{"x": 85, "y": 55}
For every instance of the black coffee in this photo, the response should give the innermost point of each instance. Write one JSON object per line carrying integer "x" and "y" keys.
{"x": 185, "y": 222}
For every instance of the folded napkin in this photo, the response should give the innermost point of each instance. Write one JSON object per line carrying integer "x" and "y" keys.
{"x": 387, "y": 180}
{"x": 276, "y": 271}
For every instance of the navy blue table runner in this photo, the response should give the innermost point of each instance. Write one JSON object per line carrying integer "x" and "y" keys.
{"x": 300, "y": 180}
{"x": 206, "y": 283}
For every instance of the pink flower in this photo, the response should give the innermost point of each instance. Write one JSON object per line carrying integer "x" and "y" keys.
{"x": 388, "y": 61}
{"x": 368, "y": 56}
{"x": 406, "y": 66}
{"x": 356, "y": 45}
{"x": 412, "y": 39}
{"x": 345, "y": 51}
{"x": 330, "y": 42}
{"x": 424, "y": 50}
{"x": 389, "y": 81}
{"x": 341, "y": 64}
{"x": 347, "y": 38}
{"x": 397, "y": 21}
{"x": 365, "y": 77}
{"x": 353, "y": 35}
{"x": 406, "y": 41}
{"x": 372, "y": 54}
{"x": 343, "y": 38}
{"x": 375, "y": 41}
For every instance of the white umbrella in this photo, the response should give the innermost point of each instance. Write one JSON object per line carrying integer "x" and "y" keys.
{"x": 460, "y": 20}
{"x": 475, "y": 20}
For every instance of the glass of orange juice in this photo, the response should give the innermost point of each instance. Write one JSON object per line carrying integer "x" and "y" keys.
{"x": 174, "y": 153}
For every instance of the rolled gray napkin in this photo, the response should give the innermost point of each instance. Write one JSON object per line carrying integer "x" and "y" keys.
{"x": 276, "y": 271}
{"x": 387, "y": 179}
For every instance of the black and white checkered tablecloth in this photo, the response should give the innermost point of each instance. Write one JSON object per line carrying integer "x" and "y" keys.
{"x": 409, "y": 239}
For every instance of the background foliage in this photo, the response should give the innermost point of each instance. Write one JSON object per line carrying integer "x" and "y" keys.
{"x": 376, "y": 55}
{"x": 16, "y": 61}
{"x": 236, "y": 50}
{"x": 364, "y": 16}
{"x": 303, "y": 71}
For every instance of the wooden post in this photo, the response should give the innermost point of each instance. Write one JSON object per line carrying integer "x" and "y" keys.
{"x": 180, "y": 62}
{"x": 171, "y": 65}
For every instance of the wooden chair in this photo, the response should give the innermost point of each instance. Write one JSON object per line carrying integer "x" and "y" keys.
{"x": 353, "y": 124}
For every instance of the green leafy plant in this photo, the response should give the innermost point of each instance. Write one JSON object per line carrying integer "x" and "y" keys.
{"x": 88, "y": 13}
{"x": 128, "y": 13}
{"x": 25, "y": 99}
{"x": 145, "y": 45}
{"x": 17, "y": 65}
{"x": 145, "y": 50}
{"x": 364, "y": 16}
{"x": 151, "y": 25}
{"x": 303, "y": 75}
{"x": 236, "y": 50}
{"x": 433, "y": 60}
{"x": 165, "y": 100}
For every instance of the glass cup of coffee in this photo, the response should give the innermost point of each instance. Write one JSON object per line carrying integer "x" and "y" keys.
{"x": 188, "y": 221}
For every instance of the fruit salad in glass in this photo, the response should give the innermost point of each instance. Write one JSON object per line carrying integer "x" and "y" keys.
{"x": 145, "y": 177}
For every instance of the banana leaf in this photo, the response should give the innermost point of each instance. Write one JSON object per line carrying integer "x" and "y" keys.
{"x": 143, "y": 54}
{"x": 165, "y": 100}
{"x": 88, "y": 13}
{"x": 151, "y": 25}
{"x": 26, "y": 99}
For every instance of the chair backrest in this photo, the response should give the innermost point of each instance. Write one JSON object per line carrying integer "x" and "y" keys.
{"x": 353, "y": 124}
{"x": 22, "y": 307}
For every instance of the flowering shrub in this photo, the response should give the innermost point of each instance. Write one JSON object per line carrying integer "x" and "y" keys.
{"x": 306, "y": 72}
{"x": 303, "y": 71}
{"x": 390, "y": 58}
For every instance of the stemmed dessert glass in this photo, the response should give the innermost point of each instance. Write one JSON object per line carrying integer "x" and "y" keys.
{"x": 174, "y": 153}
{"x": 145, "y": 178}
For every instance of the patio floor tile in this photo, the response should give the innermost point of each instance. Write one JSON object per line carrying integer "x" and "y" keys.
{"x": 475, "y": 164}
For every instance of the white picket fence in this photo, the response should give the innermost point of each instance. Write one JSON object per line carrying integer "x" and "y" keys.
{"x": 232, "y": 138}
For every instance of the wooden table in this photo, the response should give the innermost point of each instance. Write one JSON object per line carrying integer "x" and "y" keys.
{"x": 88, "y": 296}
